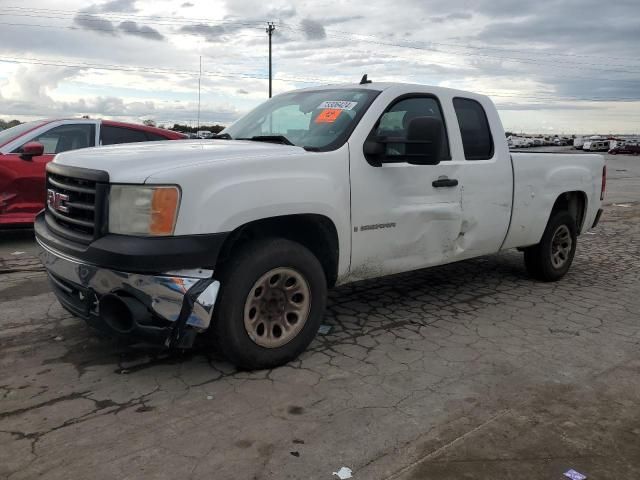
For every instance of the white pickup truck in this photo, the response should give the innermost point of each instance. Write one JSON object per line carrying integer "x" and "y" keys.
{"x": 241, "y": 236}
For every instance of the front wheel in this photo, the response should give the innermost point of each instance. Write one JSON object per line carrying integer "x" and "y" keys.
{"x": 271, "y": 304}
{"x": 551, "y": 258}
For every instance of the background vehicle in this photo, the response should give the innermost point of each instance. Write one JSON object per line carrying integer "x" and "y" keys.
{"x": 27, "y": 148}
{"x": 328, "y": 185}
{"x": 204, "y": 134}
{"x": 517, "y": 142}
{"x": 578, "y": 143}
{"x": 596, "y": 145}
{"x": 624, "y": 147}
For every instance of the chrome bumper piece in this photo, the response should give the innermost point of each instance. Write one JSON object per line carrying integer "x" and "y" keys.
{"x": 185, "y": 297}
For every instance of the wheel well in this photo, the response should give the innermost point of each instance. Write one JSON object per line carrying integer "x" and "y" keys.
{"x": 573, "y": 202}
{"x": 316, "y": 232}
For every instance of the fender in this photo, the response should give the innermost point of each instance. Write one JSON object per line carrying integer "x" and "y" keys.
{"x": 533, "y": 194}
{"x": 220, "y": 197}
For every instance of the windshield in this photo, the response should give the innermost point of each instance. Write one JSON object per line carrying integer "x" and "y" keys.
{"x": 9, "y": 134}
{"x": 316, "y": 120}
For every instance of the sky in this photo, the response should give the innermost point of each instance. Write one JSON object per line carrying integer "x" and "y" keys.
{"x": 551, "y": 66}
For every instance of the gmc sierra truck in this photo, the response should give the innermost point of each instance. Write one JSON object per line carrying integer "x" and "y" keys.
{"x": 236, "y": 240}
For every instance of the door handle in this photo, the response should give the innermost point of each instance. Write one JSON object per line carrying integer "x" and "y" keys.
{"x": 445, "y": 182}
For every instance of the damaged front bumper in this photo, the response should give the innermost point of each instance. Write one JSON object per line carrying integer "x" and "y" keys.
{"x": 170, "y": 308}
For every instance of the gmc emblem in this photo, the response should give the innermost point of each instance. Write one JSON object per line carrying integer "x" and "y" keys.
{"x": 57, "y": 200}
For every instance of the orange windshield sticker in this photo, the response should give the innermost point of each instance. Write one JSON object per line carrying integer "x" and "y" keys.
{"x": 328, "y": 115}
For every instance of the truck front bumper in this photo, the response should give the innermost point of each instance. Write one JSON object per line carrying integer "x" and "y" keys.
{"x": 168, "y": 308}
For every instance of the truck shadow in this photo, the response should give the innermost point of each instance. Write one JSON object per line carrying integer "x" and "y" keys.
{"x": 357, "y": 309}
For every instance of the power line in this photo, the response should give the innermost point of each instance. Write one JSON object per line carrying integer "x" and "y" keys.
{"x": 475, "y": 47}
{"x": 171, "y": 21}
{"x": 571, "y": 65}
{"x": 514, "y": 59}
{"x": 439, "y": 62}
{"x": 128, "y": 16}
{"x": 98, "y": 18}
{"x": 257, "y": 23}
{"x": 235, "y": 75}
{"x": 137, "y": 69}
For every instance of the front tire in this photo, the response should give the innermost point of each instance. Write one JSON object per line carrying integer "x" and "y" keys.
{"x": 550, "y": 260}
{"x": 271, "y": 304}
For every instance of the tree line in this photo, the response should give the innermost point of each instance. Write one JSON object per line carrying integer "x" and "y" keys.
{"x": 187, "y": 129}
{"x": 4, "y": 124}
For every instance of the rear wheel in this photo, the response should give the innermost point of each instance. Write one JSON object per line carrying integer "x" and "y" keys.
{"x": 551, "y": 258}
{"x": 271, "y": 304}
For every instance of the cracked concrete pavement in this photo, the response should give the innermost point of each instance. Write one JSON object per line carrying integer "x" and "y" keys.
{"x": 470, "y": 370}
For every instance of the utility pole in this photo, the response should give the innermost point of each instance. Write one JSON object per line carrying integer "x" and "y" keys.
{"x": 270, "y": 28}
{"x": 199, "y": 82}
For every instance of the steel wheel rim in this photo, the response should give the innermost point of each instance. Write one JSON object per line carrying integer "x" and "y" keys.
{"x": 277, "y": 307}
{"x": 561, "y": 245}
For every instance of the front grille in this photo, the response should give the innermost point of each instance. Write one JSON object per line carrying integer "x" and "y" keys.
{"x": 74, "y": 206}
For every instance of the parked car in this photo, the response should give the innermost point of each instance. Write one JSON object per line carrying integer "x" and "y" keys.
{"x": 26, "y": 149}
{"x": 517, "y": 142}
{"x": 204, "y": 134}
{"x": 596, "y": 145}
{"x": 622, "y": 147}
{"x": 314, "y": 188}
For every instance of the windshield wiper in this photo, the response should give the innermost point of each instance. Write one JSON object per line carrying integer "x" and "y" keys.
{"x": 269, "y": 138}
{"x": 222, "y": 136}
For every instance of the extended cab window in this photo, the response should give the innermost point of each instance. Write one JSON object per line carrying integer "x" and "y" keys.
{"x": 395, "y": 122}
{"x": 474, "y": 128}
{"x": 113, "y": 135}
{"x": 66, "y": 137}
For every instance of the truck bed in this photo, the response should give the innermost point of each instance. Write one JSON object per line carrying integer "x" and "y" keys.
{"x": 538, "y": 180}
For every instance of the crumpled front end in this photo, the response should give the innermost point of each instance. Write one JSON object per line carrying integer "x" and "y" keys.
{"x": 170, "y": 308}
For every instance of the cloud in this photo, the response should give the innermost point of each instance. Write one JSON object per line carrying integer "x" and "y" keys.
{"x": 95, "y": 23}
{"x": 132, "y": 28}
{"x": 113, "y": 6}
{"x": 105, "y": 26}
{"x": 313, "y": 30}
{"x": 211, "y": 33}
{"x": 33, "y": 84}
{"x": 544, "y": 106}
{"x": 451, "y": 17}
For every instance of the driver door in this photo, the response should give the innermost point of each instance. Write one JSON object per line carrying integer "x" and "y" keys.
{"x": 404, "y": 216}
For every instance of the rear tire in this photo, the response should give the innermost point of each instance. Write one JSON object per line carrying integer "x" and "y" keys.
{"x": 272, "y": 300}
{"x": 550, "y": 260}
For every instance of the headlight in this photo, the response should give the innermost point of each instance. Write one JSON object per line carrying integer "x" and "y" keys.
{"x": 142, "y": 210}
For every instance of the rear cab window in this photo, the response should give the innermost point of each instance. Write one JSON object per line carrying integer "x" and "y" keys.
{"x": 474, "y": 129}
{"x": 154, "y": 137}
{"x": 115, "y": 135}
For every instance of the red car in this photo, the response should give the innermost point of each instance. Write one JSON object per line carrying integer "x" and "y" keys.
{"x": 25, "y": 150}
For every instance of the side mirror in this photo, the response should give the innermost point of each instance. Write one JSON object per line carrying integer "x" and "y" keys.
{"x": 374, "y": 150}
{"x": 31, "y": 149}
{"x": 424, "y": 141}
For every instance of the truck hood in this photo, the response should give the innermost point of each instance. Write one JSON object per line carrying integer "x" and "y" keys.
{"x": 136, "y": 162}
